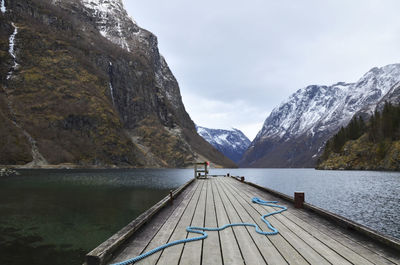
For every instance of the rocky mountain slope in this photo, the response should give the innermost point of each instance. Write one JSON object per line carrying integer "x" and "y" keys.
{"x": 362, "y": 154}
{"x": 232, "y": 143}
{"x": 374, "y": 145}
{"x": 81, "y": 83}
{"x": 295, "y": 133}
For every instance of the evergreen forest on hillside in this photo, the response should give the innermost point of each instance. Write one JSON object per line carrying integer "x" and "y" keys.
{"x": 378, "y": 135}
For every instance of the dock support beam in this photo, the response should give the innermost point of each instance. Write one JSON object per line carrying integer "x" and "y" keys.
{"x": 298, "y": 199}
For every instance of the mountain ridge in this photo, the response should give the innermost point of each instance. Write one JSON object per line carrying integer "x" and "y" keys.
{"x": 232, "y": 143}
{"x": 294, "y": 134}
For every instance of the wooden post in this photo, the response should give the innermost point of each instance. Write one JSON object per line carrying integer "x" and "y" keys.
{"x": 298, "y": 199}
{"x": 171, "y": 197}
{"x": 242, "y": 179}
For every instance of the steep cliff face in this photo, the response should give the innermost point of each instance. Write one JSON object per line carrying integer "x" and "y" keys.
{"x": 295, "y": 133}
{"x": 87, "y": 86}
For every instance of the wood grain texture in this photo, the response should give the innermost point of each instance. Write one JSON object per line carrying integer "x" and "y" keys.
{"x": 304, "y": 237}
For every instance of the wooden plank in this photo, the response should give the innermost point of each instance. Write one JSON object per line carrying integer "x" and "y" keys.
{"x": 171, "y": 255}
{"x": 337, "y": 240}
{"x": 308, "y": 253}
{"x": 312, "y": 241}
{"x": 247, "y": 246}
{"x": 304, "y": 237}
{"x": 101, "y": 254}
{"x": 373, "y": 254}
{"x": 290, "y": 254}
{"x": 192, "y": 251}
{"x": 386, "y": 240}
{"x": 157, "y": 226}
{"x": 231, "y": 253}
{"x": 160, "y": 237}
{"x": 211, "y": 246}
{"x": 267, "y": 249}
{"x": 336, "y": 246}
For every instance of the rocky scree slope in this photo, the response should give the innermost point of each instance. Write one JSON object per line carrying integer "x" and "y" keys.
{"x": 85, "y": 85}
{"x": 295, "y": 132}
{"x": 232, "y": 143}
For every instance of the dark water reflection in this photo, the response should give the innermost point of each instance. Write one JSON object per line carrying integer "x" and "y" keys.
{"x": 59, "y": 215}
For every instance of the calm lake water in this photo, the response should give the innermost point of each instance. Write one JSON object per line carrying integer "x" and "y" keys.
{"x": 60, "y": 215}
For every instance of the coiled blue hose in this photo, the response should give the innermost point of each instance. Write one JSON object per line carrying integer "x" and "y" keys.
{"x": 200, "y": 230}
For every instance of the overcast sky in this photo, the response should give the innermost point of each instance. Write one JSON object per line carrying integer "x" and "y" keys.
{"x": 237, "y": 60}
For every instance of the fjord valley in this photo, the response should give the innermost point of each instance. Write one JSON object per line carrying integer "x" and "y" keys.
{"x": 96, "y": 137}
{"x": 83, "y": 85}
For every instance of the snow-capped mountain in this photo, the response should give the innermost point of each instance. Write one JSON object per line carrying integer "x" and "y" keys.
{"x": 295, "y": 132}
{"x": 232, "y": 143}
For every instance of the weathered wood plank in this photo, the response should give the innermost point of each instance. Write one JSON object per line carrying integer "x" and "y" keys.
{"x": 290, "y": 254}
{"x": 159, "y": 226}
{"x": 231, "y": 253}
{"x": 304, "y": 237}
{"x": 308, "y": 253}
{"x": 314, "y": 242}
{"x": 172, "y": 254}
{"x": 167, "y": 229}
{"x": 337, "y": 246}
{"x": 343, "y": 244}
{"x": 247, "y": 246}
{"x": 267, "y": 249}
{"x": 103, "y": 252}
{"x": 340, "y": 220}
{"x": 346, "y": 253}
{"x": 211, "y": 246}
{"x": 192, "y": 251}
{"x": 374, "y": 254}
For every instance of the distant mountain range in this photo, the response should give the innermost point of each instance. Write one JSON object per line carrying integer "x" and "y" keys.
{"x": 296, "y": 131}
{"x": 232, "y": 143}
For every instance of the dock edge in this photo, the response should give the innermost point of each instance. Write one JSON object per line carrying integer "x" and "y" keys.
{"x": 103, "y": 253}
{"x": 340, "y": 220}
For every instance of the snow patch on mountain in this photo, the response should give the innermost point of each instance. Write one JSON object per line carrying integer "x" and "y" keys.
{"x": 3, "y": 8}
{"x": 232, "y": 143}
{"x": 318, "y": 108}
{"x": 112, "y": 21}
{"x": 11, "y": 51}
{"x": 295, "y": 132}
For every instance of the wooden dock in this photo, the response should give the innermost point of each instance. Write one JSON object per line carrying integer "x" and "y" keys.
{"x": 305, "y": 237}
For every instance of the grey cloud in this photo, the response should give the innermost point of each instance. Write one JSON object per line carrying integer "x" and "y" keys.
{"x": 261, "y": 51}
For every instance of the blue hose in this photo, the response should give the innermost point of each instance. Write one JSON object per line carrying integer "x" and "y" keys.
{"x": 200, "y": 230}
